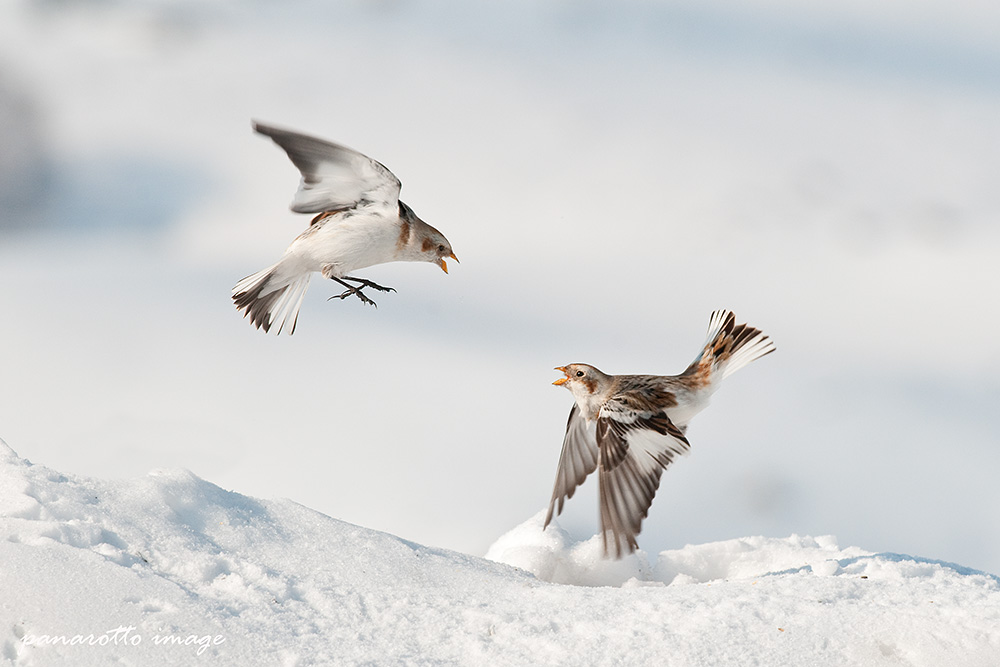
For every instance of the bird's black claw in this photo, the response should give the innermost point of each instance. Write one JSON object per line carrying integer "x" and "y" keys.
{"x": 356, "y": 289}
{"x": 364, "y": 282}
{"x": 356, "y": 292}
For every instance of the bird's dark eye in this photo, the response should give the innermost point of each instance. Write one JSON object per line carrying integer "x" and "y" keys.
{"x": 440, "y": 248}
{"x": 579, "y": 374}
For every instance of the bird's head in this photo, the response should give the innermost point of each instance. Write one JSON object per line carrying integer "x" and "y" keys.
{"x": 582, "y": 380}
{"x": 422, "y": 243}
{"x": 435, "y": 248}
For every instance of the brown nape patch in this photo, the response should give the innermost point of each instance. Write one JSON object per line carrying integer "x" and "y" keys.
{"x": 404, "y": 234}
{"x": 427, "y": 245}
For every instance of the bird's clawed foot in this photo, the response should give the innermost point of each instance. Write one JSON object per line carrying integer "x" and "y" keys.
{"x": 357, "y": 292}
{"x": 367, "y": 283}
{"x": 356, "y": 289}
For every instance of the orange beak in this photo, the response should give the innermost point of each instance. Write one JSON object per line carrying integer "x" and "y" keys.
{"x": 444, "y": 265}
{"x": 563, "y": 380}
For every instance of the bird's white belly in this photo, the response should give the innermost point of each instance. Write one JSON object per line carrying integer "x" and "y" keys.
{"x": 348, "y": 244}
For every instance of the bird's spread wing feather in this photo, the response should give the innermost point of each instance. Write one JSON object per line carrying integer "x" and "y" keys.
{"x": 334, "y": 177}
{"x": 634, "y": 449}
{"x": 577, "y": 460}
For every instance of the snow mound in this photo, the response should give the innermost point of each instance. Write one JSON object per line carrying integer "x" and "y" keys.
{"x": 170, "y": 569}
{"x": 197, "y": 572}
{"x": 552, "y": 556}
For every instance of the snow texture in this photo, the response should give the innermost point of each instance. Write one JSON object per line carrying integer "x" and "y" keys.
{"x": 825, "y": 169}
{"x": 170, "y": 569}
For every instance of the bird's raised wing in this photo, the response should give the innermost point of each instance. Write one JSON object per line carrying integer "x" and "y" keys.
{"x": 635, "y": 447}
{"x": 334, "y": 177}
{"x": 577, "y": 460}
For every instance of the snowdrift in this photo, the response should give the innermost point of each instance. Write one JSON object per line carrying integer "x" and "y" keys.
{"x": 170, "y": 569}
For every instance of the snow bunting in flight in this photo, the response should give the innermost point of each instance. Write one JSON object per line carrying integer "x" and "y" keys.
{"x": 631, "y": 427}
{"x": 360, "y": 222}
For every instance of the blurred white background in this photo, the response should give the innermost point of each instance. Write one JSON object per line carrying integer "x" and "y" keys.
{"x": 608, "y": 174}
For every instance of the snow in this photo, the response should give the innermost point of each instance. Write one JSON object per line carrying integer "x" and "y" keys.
{"x": 844, "y": 205}
{"x": 171, "y": 569}
{"x": 826, "y": 170}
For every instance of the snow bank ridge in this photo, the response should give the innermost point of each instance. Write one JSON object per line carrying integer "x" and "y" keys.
{"x": 170, "y": 569}
{"x": 552, "y": 556}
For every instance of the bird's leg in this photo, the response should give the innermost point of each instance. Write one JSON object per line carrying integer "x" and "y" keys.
{"x": 351, "y": 289}
{"x": 367, "y": 283}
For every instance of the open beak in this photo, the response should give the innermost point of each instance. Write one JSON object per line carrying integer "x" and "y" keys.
{"x": 563, "y": 380}
{"x": 444, "y": 265}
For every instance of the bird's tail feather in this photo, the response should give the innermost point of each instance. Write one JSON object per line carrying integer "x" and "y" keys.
{"x": 272, "y": 297}
{"x": 729, "y": 347}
